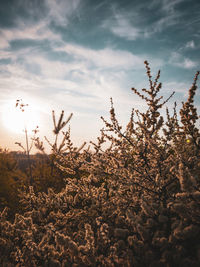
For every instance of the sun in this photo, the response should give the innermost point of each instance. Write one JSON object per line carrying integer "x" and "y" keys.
{"x": 16, "y": 121}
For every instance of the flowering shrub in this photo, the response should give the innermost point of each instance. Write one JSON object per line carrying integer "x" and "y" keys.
{"x": 135, "y": 203}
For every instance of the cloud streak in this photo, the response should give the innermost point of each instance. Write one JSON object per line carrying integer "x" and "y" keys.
{"x": 178, "y": 60}
{"x": 60, "y": 11}
{"x": 142, "y": 22}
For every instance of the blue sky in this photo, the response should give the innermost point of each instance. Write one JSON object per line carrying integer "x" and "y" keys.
{"x": 74, "y": 55}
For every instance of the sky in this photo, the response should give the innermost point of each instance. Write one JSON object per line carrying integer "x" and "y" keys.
{"x": 73, "y": 55}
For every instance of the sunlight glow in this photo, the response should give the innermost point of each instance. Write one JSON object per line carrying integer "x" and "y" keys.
{"x": 16, "y": 121}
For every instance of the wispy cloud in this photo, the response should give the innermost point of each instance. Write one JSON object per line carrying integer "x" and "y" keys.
{"x": 178, "y": 87}
{"x": 189, "y": 64}
{"x": 190, "y": 44}
{"x": 35, "y": 32}
{"x": 169, "y": 6}
{"x": 139, "y": 24}
{"x": 169, "y": 16}
{"x": 122, "y": 27}
{"x": 177, "y": 59}
{"x": 103, "y": 58}
{"x": 60, "y": 11}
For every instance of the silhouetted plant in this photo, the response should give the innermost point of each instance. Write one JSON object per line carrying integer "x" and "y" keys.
{"x": 27, "y": 149}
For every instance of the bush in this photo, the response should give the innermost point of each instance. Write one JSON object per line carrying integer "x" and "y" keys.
{"x": 135, "y": 203}
{"x": 11, "y": 180}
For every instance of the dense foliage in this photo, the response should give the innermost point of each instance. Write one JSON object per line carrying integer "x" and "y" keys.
{"x": 12, "y": 179}
{"x": 134, "y": 203}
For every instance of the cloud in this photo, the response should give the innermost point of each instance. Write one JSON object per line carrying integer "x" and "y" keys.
{"x": 169, "y": 5}
{"x": 83, "y": 84}
{"x": 25, "y": 28}
{"x": 169, "y": 16}
{"x": 190, "y": 44}
{"x": 60, "y": 11}
{"x": 143, "y": 22}
{"x": 123, "y": 28}
{"x": 178, "y": 87}
{"x": 189, "y": 64}
{"x": 103, "y": 58}
{"x": 35, "y": 32}
{"x": 178, "y": 60}
{"x": 87, "y": 73}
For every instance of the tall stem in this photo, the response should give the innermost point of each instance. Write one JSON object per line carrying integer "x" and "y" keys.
{"x": 28, "y": 156}
{"x": 55, "y": 149}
